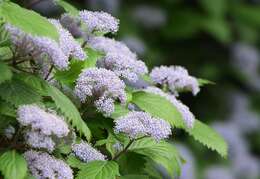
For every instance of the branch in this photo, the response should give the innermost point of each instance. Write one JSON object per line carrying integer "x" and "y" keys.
{"x": 124, "y": 150}
{"x": 49, "y": 72}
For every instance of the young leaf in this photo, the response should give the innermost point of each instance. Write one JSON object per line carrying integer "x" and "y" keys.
{"x": 13, "y": 165}
{"x": 160, "y": 107}
{"x": 17, "y": 92}
{"x": 27, "y": 20}
{"x": 161, "y": 153}
{"x": 99, "y": 170}
{"x": 6, "y": 73}
{"x": 203, "y": 82}
{"x": 69, "y": 110}
{"x": 67, "y": 7}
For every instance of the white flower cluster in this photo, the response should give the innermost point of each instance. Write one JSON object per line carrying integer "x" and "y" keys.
{"x": 183, "y": 109}
{"x": 87, "y": 153}
{"x": 99, "y": 21}
{"x": 42, "y": 126}
{"x": 118, "y": 58}
{"x": 103, "y": 85}
{"x": 136, "y": 124}
{"x": 176, "y": 78}
{"x": 42, "y": 165}
{"x": 68, "y": 44}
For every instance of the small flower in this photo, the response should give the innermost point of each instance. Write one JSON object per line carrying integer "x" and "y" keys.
{"x": 184, "y": 110}
{"x": 176, "y": 78}
{"x": 68, "y": 44}
{"x": 38, "y": 119}
{"x": 35, "y": 139}
{"x": 118, "y": 58}
{"x": 87, "y": 153}
{"x": 42, "y": 165}
{"x": 103, "y": 85}
{"x": 99, "y": 21}
{"x": 136, "y": 124}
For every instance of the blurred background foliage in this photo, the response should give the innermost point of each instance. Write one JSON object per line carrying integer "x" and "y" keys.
{"x": 214, "y": 39}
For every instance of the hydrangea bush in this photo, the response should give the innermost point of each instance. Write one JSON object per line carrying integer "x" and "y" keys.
{"x": 71, "y": 105}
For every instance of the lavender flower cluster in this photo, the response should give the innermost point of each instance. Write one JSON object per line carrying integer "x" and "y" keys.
{"x": 118, "y": 58}
{"x": 87, "y": 153}
{"x": 99, "y": 21}
{"x": 175, "y": 78}
{"x": 103, "y": 85}
{"x": 42, "y": 165}
{"x": 136, "y": 124}
{"x": 42, "y": 126}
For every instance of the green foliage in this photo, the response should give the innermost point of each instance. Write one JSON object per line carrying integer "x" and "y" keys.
{"x": 6, "y": 73}
{"x": 69, "y": 110}
{"x": 161, "y": 153}
{"x": 16, "y": 92}
{"x": 160, "y": 107}
{"x": 99, "y": 170}
{"x": 67, "y": 7}
{"x": 27, "y": 20}
{"x": 13, "y": 165}
{"x": 214, "y": 8}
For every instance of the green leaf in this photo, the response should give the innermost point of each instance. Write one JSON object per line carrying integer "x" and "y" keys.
{"x": 119, "y": 111}
{"x": 134, "y": 177}
{"x": 67, "y": 7}
{"x": 27, "y": 20}
{"x": 209, "y": 137}
{"x": 17, "y": 92}
{"x": 35, "y": 82}
{"x": 160, "y": 107}
{"x": 161, "y": 153}
{"x": 99, "y": 170}
{"x": 7, "y": 109}
{"x": 74, "y": 162}
{"x": 13, "y": 165}
{"x": 6, "y": 73}
{"x": 69, "y": 77}
{"x": 203, "y": 82}
{"x": 214, "y": 8}
{"x": 69, "y": 110}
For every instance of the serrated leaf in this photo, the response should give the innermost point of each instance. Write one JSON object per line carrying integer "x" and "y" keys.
{"x": 35, "y": 82}
{"x": 13, "y": 165}
{"x": 160, "y": 107}
{"x": 161, "y": 153}
{"x": 69, "y": 110}
{"x": 17, "y": 92}
{"x": 27, "y": 20}
{"x": 67, "y": 7}
{"x": 6, "y": 73}
{"x": 134, "y": 177}
{"x": 99, "y": 170}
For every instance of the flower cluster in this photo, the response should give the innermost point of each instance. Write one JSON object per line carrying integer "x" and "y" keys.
{"x": 42, "y": 126}
{"x": 102, "y": 85}
{"x": 118, "y": 58}
{"x": 184, "y": 110}
{"x": 137, "y": 124}
{"x": 175, "y": 78}
{"x": 86, "y": 153}
{"x": 68, "y": 44}
{"x": 42, "y": 165}
{"x": 37, "y": 47}
{"x": 99, "y": 21}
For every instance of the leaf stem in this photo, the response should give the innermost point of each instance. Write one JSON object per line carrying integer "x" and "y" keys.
{"x": 124, "y": 150}
{"x": 49, "y": 72}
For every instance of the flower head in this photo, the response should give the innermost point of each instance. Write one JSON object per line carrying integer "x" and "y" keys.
{"x": 39, "y": 48}
{"x": 184, "y": 110}
{"x": 118, "y": 58}
{"x": 99, "y": 21}
{"x": 103, "y": 85}
{"x": 176, "y": 78}
{"x": 42, "y": 165}
{"x": 87, "y": 153}
{"x": 135, "y": 124}
{"x": 40, "y": 120}
{"x": 71, "y": 24}
{"x": 68, "y": 44}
